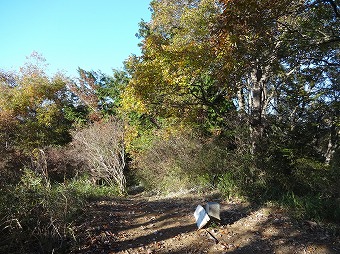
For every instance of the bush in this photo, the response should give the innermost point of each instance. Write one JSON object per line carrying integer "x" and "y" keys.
{"x": 101, "y": 147}
{"x": 84, "y": 189}
{"x": 312, "y": 207}
{"x": 63, "y": 163}
{"x": 182, "y": 160}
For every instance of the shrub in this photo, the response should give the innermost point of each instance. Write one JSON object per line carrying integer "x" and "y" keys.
{"x": 182, "y": 160}
{"x": 101, "y": 147}
{"x": 312, "y": 207}
{"x": 63, "y": 163}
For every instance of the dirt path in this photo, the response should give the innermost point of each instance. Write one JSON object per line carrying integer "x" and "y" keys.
{"x": 166, "y": 225}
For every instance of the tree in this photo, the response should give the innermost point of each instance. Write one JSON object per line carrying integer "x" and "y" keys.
{"x": 173, "y": 76}
{"x": 283, "y": 47}
{"x": 31, "y": 107}
{"x": 258, "y": 59}
{"x": 97, "y": 93}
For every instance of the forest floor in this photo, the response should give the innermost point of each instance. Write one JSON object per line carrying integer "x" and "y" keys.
{"x": 149, "y": 224}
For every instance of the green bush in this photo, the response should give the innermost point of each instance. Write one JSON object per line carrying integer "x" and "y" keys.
{"x": 84, "y": 189}
{"x": 228, "y": 186}
{"x": 312, "y": 207}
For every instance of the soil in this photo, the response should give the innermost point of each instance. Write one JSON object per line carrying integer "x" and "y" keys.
{"x": 149, "y": 224}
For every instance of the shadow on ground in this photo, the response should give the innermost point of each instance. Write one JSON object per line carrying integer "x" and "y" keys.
{"x": 140, "y": 224}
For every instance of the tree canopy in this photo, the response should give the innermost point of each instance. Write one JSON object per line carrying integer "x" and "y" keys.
{"x": 271, "y": 64}
{"x": 31, "y": 107}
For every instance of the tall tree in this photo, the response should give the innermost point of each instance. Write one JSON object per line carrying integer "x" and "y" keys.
{"x": 276, "y": 41}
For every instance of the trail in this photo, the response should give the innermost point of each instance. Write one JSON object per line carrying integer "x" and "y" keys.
{"x": 141, "y": 224}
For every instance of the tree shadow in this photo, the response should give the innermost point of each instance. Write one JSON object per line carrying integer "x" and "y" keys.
{"x": 133, "y": 224}
{"x": 279, "y": 236}
{"x": 150, "y": 221}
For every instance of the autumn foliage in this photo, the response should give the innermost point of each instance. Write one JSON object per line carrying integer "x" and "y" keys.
{"x": 240, "y": 96}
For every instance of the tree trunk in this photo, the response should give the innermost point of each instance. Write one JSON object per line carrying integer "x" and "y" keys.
{"x": 332, "y": 144}
{"x": 256, "y": 107}
{"x": 240, "y": 99}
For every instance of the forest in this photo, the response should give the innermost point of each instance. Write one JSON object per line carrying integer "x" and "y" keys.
{"x": 235, "y": 96}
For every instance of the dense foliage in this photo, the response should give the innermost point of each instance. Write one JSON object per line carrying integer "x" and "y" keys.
{"x": 236, "y": 95}
{"x": 260, "y": 76}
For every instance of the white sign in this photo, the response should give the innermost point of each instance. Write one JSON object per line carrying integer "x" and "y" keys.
{"x": 201, "y": 217}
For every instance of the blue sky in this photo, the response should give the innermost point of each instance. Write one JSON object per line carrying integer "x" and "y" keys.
{"x": 94, "y": 35}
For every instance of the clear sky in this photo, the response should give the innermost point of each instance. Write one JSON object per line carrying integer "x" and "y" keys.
{"x": 92, "y": 34}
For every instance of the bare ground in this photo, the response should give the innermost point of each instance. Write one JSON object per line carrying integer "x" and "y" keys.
{"x": 141, "y": 224}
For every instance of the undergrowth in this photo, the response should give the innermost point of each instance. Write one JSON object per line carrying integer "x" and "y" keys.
{"x": 37, "y": 216}
{"x": 304, "y": 186}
